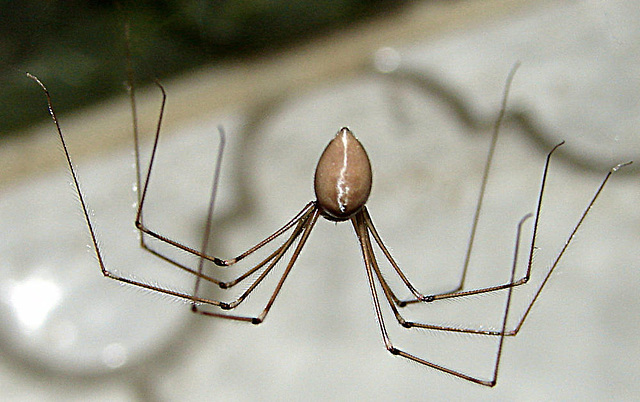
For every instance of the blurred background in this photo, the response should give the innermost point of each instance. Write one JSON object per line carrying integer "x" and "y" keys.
{"x": 81, "y": 44}
{"x": 419, "y": 83}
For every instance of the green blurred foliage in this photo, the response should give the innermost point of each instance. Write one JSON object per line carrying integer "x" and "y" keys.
{"x": 78, "y": 48}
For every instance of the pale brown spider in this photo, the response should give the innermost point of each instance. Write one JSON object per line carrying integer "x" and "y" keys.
{"x": 342, "y": 185}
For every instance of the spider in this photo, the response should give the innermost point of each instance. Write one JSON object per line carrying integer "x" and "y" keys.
{"x": 343, "y": 180}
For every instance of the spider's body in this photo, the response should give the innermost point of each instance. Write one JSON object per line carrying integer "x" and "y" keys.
{"x": 343, "y": 177}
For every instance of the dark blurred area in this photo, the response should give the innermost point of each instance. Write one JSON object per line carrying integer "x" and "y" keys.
{"x": 78, "y": 48}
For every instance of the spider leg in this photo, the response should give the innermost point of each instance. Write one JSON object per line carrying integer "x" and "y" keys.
{"x": 142, "y": 197}
{"x": 566, "y": 244}
{"x": 485, "y": 176}
{"x": 136, "y": 147}
{"x": 555, "y": 263}
{"x": 301, "y": 216}
{"x": 525, "y": 278}
{"x": 419, "y": 297}
{"x": 305, "y": 220}
{"x": 306, "y": 228}
{"x": 139, "y": 222}
{"x": 527, "y": 275}
{"x": 90, "y": 226}
{"x": 142, "y": 194}
{"x": 362, "y": 231}
{"x": 553, "y": 266}
{"x": 393, "y": 301}
{"x": 271, "y": 260}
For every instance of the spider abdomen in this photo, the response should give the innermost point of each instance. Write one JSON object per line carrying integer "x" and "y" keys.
{"x": 343, "y": 177}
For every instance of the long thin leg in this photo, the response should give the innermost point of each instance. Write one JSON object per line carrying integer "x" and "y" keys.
{"x": 136, "y": 147}
{"x": 209, "y": 221}
{"x": 527, "y": 275}
{"x": 309, "y": 213}
{"x": 272, "y": 260}
{"x": 520, "y": 322}
{"x": 362, "y": 232}
{"x": 410, "y": 324}
{"x": 134, "y": 116}
{"x": 143, "y": 188}
{"x": 307, "y": 227}
{"x": 142, "y": 192}
{"x": 485, "y": 176}
{"x": 494, "y": 139}
{"x": 220, "y": 262}
{"x": 513, "y": 283}
{"x": 566, "y": 244}
{"x": 228, "y": 284}
{"x": 198, "y": 273}
{"x": 430, "y": 298}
